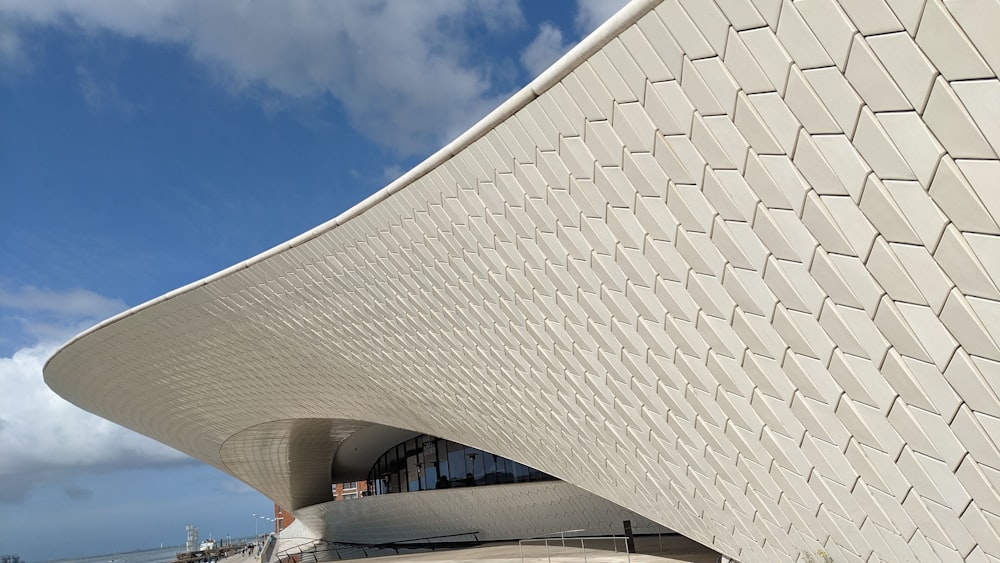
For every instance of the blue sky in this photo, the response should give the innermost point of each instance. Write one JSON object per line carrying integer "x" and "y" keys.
{"x": 148, "y": 144}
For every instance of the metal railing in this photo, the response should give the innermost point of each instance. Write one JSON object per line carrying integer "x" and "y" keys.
{"x": 560, "y": 538}
{"x": 347, "y": 550}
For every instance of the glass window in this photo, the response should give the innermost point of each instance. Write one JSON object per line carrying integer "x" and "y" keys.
{"x": 427, "y": 463}
{"x": 412, "y": 476}
{"x": 430, "y": 476}
{"x": 490, "y": 468}
{"x": 508, "y": 471}
{"x": 456, "y": 463}
{"x": 520, "y": 473}
{"x": 442, "y": 471}
{"x": 478, "y": 461}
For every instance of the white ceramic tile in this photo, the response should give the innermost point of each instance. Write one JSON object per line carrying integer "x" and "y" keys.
{"x": 979, "y": 97}
{"x": 741, "y": 14}
{"x": 906, "y": 64}
{"x": 668, "y": 108}
{"x": 871, "y": 17}
{"x": 924, "y": 216}
{"x": 837, "y": 94}
{"x": 956, "y": 199}
{"x": 787, "y": 178}
{"x": 831, "y": 25}
{"x": 653, "y": 67}
{"x": 646, "y": 177}
{"x": 816, "y": 169}
{"x": 882, "y": 210}
{"x": 765, "y": 48}
{"x": 807, "y": 106}
{"x": 979, "y": 19}
{"x": 877, "y": 148}
{"x": 834, "y": 283}
{"x": 795, "y": 233}
{"x": 722, "y": 201}
{"x": 725, "y": 133}
{"x": 717, "y": 76}
{"x": 662, "y": 41}
{"x": 698, "y": 92}
{"x": 908, "y": 13}
{"x": 687, "y": 156}
{"x": 793, "y": 32}
{"x": 684, "y": 31}
{"x": 634, "y": 127}
{"x": 867, "y": 75}
{"x": 765, "y": 187}
{"x": 603, "y": 143}
{"x": 783, "y": 125}
{"x": 822, "y": 225}
{"x": 752, "y": 127}
{"x": 965, "y": 325}
{"x": 618, "y": 56}
{"x": 915, "y": 143}
{"x": 845, "y": 161}
{"x": 710, "y": 21}
{"x": 943, "y": 41}
{"x": 928, "y": 277}
{"x": 951, "y": 123}
{"x": 853, "y": 223}
{"x": 770, "y": 10}
{"x": 709, "y": 146}
{"x": 898, "y": 332}
{"x": 744, "y": 67}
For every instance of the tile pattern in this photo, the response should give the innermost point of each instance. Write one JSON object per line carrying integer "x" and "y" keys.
{"x": 735, "y": 270}
{"x": 497, "y": 513}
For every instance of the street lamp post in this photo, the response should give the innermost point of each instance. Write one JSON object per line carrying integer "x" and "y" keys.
{"x": 254, "y": 525}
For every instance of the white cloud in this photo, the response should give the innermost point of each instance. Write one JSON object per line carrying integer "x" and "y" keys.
{"x": 44, "y": 438}
{"x": 402, "y": 70}
{"x": 74, "y": 302}
{"x": 590, "y": 14}
{"x": 391, "y": 172}
{"x": 544, "y": 50}
{"x": 47, "y": 316}
{"x": 11, "y": 51}
{"x": 102, "y": 95}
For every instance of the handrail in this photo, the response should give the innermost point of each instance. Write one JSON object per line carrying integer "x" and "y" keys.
{"x": 474, "y": 534}
{"x": 285, "y": 556}
{"x": 548, "y": 554}
{"x": 313, "y": 542}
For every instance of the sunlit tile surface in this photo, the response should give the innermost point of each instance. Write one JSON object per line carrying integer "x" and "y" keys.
{"x": 735, "y": 270}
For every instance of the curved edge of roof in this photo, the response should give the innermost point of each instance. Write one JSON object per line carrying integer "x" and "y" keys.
{"x": 611, "y": 28}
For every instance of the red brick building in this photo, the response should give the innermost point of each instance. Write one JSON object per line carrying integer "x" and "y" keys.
{"x": 282, "y": 518}
{"x": 349, "y": 490}
{"x": 341, "y": 491}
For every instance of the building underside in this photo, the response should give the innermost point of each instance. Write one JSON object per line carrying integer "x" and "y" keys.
{"x": 730, "y": 265}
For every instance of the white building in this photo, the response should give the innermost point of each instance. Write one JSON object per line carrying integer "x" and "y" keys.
{"x": 729, "y": 265}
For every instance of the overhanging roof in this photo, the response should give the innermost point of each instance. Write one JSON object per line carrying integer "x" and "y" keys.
{"x": 734, "y": 269}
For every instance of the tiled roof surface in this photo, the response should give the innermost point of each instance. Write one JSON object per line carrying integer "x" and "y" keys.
{"x": 731, "y": 264}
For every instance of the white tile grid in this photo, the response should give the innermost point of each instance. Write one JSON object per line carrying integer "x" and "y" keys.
{"x": 710, "y": 277}
{"x": 496, "y": 513}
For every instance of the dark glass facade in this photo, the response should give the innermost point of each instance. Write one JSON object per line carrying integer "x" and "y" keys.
{"x": 425, "y": 463}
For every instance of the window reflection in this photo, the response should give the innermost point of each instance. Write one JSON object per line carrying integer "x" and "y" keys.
{"x": 426, "y": 462}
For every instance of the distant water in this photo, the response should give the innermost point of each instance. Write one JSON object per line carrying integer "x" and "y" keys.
{"x": 165, "y": 555}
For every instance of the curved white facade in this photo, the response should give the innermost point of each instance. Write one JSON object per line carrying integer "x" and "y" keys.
{"x": 501, "y": 512}
{"x": 732, "y": 265}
